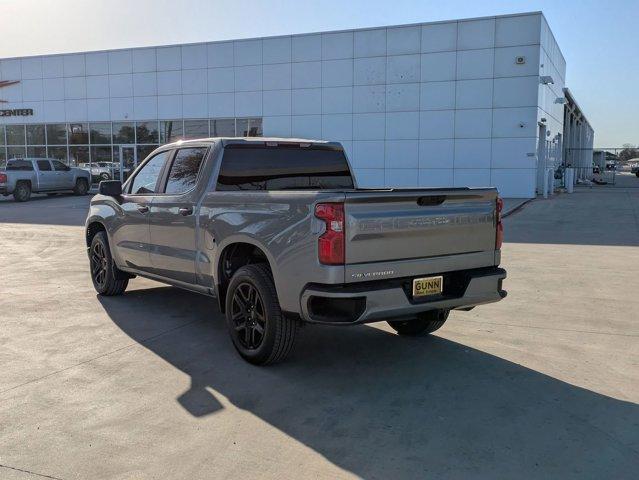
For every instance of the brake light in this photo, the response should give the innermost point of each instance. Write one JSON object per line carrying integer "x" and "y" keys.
{"x": 330, "y": 246}
{"x": 499, "y": 237}
{"x": 3, "y": 178}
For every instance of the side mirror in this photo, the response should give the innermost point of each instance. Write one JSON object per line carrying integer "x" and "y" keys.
{"x": 110, "y": 188}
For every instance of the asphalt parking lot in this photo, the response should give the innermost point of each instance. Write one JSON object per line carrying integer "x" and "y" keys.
{"x": 542, "y": 385}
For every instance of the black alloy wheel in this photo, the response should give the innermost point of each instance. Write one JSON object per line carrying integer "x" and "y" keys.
{"x": 99, "y": 264}
{"x": 107, "y": 278}
{"x": 248, "y": 316}
{"x": 261, "y": 333}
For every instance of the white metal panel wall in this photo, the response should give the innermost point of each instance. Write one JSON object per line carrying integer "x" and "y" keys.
{"x": 420, "y": 105}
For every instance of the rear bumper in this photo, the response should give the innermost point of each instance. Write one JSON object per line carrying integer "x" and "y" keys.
{"x": 4, "y": 190}
{"x": 390, "y": 299}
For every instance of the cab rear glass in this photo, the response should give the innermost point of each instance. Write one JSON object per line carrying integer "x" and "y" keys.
{"x": 283, "y": 167}
{"x": 20, "y": 165}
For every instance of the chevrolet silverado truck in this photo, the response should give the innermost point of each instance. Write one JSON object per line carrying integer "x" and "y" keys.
{"x": 278, "y": 231}
{"x": 23, "y": 176}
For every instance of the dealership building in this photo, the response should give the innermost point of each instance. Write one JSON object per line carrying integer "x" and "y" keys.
{"x": 472, "y": 102}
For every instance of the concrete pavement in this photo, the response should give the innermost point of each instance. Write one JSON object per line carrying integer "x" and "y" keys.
{"x": 542, "y": 385}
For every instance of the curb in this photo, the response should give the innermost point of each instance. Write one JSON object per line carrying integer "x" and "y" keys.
{"x": 517, "y": 208}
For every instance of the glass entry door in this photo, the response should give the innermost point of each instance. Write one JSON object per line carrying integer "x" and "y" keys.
{"x": 128, "y": 161}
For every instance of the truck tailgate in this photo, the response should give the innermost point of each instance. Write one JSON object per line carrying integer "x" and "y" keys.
{"x": 397, "y": 225}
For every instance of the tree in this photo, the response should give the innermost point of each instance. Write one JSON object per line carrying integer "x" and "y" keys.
{"x": 629, "y": 151}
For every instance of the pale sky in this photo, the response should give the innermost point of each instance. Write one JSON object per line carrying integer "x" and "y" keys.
{"x": 598, "y": 38}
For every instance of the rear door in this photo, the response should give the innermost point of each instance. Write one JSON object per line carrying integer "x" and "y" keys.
{"x": 387, "y": 226}
{"x": 173, "y": 216}
{"x": 46, "y": 175}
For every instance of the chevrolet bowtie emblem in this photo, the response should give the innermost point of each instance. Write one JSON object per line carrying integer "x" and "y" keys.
{"x": 6, "y": 83}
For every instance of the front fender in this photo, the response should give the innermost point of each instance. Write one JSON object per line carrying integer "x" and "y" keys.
{"x": 103, "y": 212}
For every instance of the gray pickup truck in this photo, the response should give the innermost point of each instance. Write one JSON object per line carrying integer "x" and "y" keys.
{"x": 278, "y": 231}
{"x": 23, "y": 176}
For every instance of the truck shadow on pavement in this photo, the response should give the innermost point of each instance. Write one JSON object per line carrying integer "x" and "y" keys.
{"x": 383, "y": 406}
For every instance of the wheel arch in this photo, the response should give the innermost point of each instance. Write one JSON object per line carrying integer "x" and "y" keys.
{"x": 233, "y": 255}
{"x": 94, "y": 226}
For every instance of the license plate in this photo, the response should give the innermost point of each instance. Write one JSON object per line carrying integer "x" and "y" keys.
{"x": 423, "y": 287}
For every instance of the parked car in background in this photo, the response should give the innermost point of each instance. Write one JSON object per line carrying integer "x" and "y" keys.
{"x": 634, "y": 167}
{"x": 102, "y": 170}
{"x": 278, "y": 231}
{"x": 23, "y": 176}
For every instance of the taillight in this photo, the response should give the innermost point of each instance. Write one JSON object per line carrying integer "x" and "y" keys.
{"x": 499, "y": 237}
{"x": 330, "y": 246}
{"x": 3, "y": 178}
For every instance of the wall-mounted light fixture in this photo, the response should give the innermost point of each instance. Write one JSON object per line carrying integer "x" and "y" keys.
{"x": 546, "y": 80}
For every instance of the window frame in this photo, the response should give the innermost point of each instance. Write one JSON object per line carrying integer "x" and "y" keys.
{"x": 128, "y": 185}
{"x": 169, "y": 166}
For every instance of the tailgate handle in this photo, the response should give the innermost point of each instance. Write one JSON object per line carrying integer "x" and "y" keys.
{"x": 431, "y": 200}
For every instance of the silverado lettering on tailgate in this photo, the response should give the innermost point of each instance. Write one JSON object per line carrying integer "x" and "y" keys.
{"x": 420, "y": 221}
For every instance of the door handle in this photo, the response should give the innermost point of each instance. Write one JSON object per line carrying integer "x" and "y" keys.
{"x": 185, "y": 211}
{"x": 143, "y": 208}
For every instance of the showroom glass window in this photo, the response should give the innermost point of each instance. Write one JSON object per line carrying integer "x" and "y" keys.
{"x": 36, "y": 135}
{"x": 15, "y": 135}
{"x": 36, "y": 152}
{"x": 16, "y": 152}
{"x": 196, "y": 129}
{"x": 224, "y": 127}
{"x": 123, "y": 133}
{"x": 100, "y": 133}
{"x": 78, "y": 133}
{"x": 57, "y": 134}
{"x": 185, "y": 169}
{"x": 82, "y": 144}
{"x": 147, "y": 132}
{"x": 171, "y": 131}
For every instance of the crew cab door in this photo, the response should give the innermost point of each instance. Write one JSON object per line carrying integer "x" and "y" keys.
{"x": 46, "y": 175}
{"x": 130, "y": 235}
{"x": 173, "y": 220}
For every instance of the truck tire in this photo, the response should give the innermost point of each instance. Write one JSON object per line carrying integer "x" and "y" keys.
{"x": 425, "y": 323}
{"x": 260, "y": 332}
{"x": 81, "y": 186}
{"x": 22, "y": 192}
{"x": 637, "y": 174}
{"x": 107, "y": 279}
